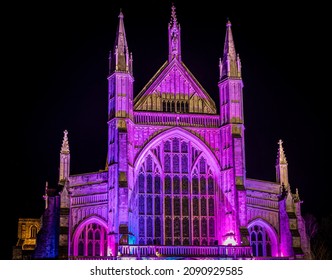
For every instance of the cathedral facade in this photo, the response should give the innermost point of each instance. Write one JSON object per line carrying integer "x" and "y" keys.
{"x": 175, "y": 185}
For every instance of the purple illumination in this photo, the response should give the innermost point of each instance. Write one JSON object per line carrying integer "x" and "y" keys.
{"x": 175, "y": 184}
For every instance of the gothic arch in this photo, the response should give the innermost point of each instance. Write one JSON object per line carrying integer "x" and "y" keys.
{"x": 154, "y": 159}
{"x": 94, "y": 244}
{"x": 264, "y": 227}
{"x": 178, "y": 132}
{"x": 33, "y": 231}
{"x": 175, "y": 206}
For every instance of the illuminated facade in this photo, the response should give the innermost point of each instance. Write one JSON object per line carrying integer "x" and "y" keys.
{"x": 175, "y": 184}
{"x": 27, "y": 237}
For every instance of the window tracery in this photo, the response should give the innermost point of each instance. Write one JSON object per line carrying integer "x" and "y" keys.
{"x": 176, "y": 205}
{"x": 260, "y": 241}
{"x": 92, "y": 241}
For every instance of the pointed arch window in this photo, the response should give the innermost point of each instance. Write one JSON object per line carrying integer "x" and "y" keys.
{"x": 211, "y": 227}
{"x": 157, "y": 205}
{"x": 185, "y": 226}
{"x": 157, "y": 228}
{"x": 167, "y": 163}
{"x": 171, "y": 106}
{"x": 183, "y": 109}
{"x": 211, "y": 206}
{"x": 195, "y": 185}
{"x": 141, "y": 227}
{"x": 177, "y": 207}
{"x": 185, "y": 206}
{"x": 184, "y": 147}
{"x": 203, "y": 206}
{"x": 210, "y": 186}
{"x": 184, "y": 164}
{"x": 33, "y": 232}
{"x": 204, "y": 227}
{"x": 202, "y": 165}
{"x": 168, "y": 185}
{"x": 81, "y": 248}
{"x": 176, "y": 165}
{"x": 149, "y": 205}
{"x": 185, "y": 185}
{"x": 176, "y": 185}
{"x": 149, "y": 164}
{"x": 149, "y": 183}
{"x": 149, "y": 227}
{"x": 260, "y": 241}
{"x": 178, "y": 107}
{"x": 157, "y": 184}
{"x": 97, "y": 249}
{"x": 203, "y": 185}
{"x": 168, "y": 206}
{"x": 195, "y": 207}
{"x": 150, "y": 199}
{"x": 176, "y": 144}
{"x": 175, "y": 204}
{"x": 177, "y": 227}
{"x": 141, "y": 183}
{"x": 167, "y": 146}
{"x": 90, "y": 249}
{"x": 196, "y": 228}
{"x": 141, "y": 205}
{"x": 168, "y": 227}
{"x": 91, "y": 241}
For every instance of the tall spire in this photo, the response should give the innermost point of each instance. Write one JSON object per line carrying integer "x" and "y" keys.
{"x": 230, "y": 64}
{"x": 64, "y": 169}
{"x": 121, "y": 60}
{"x": 174, "y": 38}
{"x": 282, "y": 167}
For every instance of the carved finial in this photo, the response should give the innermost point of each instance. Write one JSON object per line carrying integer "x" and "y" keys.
{"x": 174, "y": 36}
{"x": 173, "y": 14}
{"x": 65, "y": 143}
{"x": 120, "y": 14}
{"x": 228, "y": 23}
{"x": 297, "y": 196}
{"x": 281, "y": 159}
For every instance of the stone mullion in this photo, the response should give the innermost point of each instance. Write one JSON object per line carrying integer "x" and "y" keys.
{"x": 145, "y": 207}
{"x": 153, "y": 216}
{"x": 85, "y": 241}
{"x": 153, "y": 197}
{"x": 190, "y": 216}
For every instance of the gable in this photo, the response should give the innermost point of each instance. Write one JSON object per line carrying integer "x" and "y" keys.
{"x": 174, "y": 89}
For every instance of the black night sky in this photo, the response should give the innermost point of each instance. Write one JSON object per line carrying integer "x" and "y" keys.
{"x": 55, "y": 60}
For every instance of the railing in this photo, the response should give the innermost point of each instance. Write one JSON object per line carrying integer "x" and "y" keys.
{"x": 95, "y": 177}
{"x": 173, "y": 119}
{"x": 194, "y": 251}
{"x": 155, "y": 251}
{"x": 97, "y": 198}
{"x": 262, "y": 202}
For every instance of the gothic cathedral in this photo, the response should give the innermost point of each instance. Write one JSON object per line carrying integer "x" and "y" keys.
{"x": 175, "y": 185}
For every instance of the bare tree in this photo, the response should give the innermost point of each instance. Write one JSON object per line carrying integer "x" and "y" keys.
{"x": 319, "y": 236}
{"x": 320, "y": 250}
{"x": 311, "y": 225}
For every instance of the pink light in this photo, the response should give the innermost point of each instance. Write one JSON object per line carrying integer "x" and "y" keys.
{"x": 230, "y": 240}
